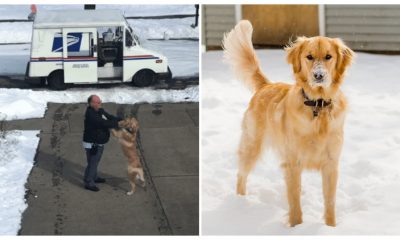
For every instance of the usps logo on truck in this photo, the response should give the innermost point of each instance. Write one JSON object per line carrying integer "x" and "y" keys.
{"x": 74, "y": 42}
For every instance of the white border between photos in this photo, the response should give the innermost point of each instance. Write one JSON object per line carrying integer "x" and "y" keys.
{"x": 200, "y": 114}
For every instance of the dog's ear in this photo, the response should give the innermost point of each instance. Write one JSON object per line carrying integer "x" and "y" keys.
{"x": 345, "y": 56}
{"x": 293, "y": 51}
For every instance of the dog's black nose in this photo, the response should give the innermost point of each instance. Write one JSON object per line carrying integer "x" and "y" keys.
{"x": 318, "y": 76}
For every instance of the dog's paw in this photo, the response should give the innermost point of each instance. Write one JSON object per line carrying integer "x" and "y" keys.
{"x": 130, "y": 193}
{"x": 330, "y": 222}
{"x": 295, "y": 219}
{"x": 295, "y": 222}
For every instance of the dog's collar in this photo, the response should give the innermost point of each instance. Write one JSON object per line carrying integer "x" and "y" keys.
{"x": 317, "y": 105}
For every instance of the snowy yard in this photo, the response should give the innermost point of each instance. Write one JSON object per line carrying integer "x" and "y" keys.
{"x": 16, "y": 160}
{"x": 23, "y": 104}
{"x": 18, "y": 149}
{"x": 369, "y": 175}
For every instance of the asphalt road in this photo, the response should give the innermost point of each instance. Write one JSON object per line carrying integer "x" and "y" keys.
{"x": 168, "y": 142}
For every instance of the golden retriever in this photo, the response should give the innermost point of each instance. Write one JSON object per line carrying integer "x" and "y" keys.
{"x": 126, "y": 136}
{"x": 303, "y": 122}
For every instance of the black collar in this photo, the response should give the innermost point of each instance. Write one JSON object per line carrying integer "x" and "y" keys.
{"x": 316, "y": 104}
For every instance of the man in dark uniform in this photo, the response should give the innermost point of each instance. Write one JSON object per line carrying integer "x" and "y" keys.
{"x": 95, "y": 135}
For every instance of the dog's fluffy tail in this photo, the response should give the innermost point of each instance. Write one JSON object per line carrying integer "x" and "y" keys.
{"x": 239, "y": 52}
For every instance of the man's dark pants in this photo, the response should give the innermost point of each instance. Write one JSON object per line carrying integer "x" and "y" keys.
{"x": 92, "y": 163}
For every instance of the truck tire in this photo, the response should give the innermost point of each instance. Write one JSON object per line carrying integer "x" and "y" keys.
{"x": 56, "y": 81}
{"x": 144, "y": 78}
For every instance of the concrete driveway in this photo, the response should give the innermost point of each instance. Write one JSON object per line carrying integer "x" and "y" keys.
{"x": 169, "y": 146}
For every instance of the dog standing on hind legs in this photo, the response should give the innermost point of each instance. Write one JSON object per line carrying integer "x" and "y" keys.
{"x": 127, "y": 138}
{"x": 302, "y": 122}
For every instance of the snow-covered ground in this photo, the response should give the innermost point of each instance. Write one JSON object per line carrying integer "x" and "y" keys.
{"x": 16, "y": 160}
{"x": 368, "y": 201}
{"x": 183, "y": 56}
{"x": 13, "y": 59}
{"x": 23, "y": 104}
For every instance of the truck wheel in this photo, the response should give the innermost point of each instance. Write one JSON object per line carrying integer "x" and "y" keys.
{"x": 144, "y": 78}
{"x": 56, "y": 81}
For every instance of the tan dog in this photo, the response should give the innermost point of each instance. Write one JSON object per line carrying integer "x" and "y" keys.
{"x": 303, "y": 122}
{"x": 127, "y": 138}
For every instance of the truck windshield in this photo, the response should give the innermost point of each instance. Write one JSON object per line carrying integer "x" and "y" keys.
{"x": 129, "y": 41}
{"x": 129, "y": 33}
{"x": 136, "y": 38}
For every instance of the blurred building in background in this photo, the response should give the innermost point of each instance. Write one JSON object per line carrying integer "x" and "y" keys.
{"x": 362, "y": 27}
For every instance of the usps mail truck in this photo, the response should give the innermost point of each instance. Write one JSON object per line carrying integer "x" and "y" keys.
{"x": 90, "y": 46}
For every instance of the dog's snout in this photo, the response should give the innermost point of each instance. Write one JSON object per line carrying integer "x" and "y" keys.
{"x": 319, "y": 72}
{"x": 318, "y": 76}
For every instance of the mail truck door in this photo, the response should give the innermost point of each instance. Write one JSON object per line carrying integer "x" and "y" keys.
{"x": 80, "y": 55}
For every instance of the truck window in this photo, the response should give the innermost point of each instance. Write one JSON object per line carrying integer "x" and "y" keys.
{"x": 128, "y": 39}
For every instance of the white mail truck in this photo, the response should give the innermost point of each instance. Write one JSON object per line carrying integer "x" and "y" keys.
{"x": 90, "y": 46}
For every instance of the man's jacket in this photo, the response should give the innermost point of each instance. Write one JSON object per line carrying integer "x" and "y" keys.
{"x": 97, "y": 125}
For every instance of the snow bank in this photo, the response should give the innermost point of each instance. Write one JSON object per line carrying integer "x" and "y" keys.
{"x": 157, "y": 28}
{"x": 183, "y": 56}
{"x": 13, "y": 59}
{"x": 23, "y": 104}
{"x": 16, "y": 160}
{"x": 17, "y": 32}
{"x": 367, "y": 196}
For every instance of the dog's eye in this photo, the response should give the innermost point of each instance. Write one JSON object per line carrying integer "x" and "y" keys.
{"x": 327, "y": 57}
{"x": 310, "y": 57}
